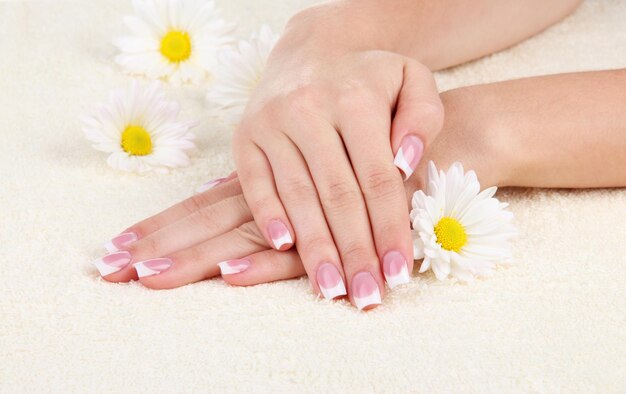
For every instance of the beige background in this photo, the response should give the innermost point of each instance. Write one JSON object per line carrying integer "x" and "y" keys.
{"x": 553, "y": 323}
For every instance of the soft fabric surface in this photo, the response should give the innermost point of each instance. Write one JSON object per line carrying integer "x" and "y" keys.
{"x": 555, "y": 322}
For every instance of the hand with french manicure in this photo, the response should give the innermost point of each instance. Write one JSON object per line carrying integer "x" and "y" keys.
{"x": 321, "y": 154}
{"x": 213, "y": 232}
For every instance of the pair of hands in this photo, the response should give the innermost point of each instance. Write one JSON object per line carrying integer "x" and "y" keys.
{"x": 315, "y": 155}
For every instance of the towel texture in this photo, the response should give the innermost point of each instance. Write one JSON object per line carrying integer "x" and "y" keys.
{"x": 555, "y": 322}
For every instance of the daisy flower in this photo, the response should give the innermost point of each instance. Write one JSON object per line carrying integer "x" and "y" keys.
{"x": 140, "y": 130}
{"x": 176, "y": 40}
{"x": 458, "y": 230}
{"x": 239, "y": 72}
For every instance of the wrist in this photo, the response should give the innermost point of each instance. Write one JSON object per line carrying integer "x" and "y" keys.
{"x": 489, "y": 145}
{"x": 348, "y": 25}
{"x": 474, "y": 135}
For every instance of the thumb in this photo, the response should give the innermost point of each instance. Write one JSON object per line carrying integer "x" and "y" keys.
{"x": 418, "y": 117}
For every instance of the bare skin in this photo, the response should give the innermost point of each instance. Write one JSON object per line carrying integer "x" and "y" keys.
{"x": 556, "y": 131}
{"x": 352, "y": 77}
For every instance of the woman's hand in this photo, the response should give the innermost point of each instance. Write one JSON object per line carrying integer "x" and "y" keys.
{"x": 185, "y": 243}
{"x": 315, "y": 154}
{"x": 192, "y": 240}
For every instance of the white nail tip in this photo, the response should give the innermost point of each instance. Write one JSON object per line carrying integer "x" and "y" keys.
{"x": 226, "y": 269}
{"x": 402, "y": 164}
{"x": 110, "y": 247}
{"x": 336, "y": 291}
{"x": 208, "y": 186}
{"x": 400, "y": 278}
{"x": 143, "y": 271}
{"x": 372, "y": 299}
{"x": 104, "y": 268}
{"x": 284, "y": 240}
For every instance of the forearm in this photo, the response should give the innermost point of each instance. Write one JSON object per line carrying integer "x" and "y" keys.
{"x": 566, "y": 130}
{"x": 438, "y": 33}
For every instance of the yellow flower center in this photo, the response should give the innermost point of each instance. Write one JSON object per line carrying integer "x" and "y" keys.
{"x": 136, "y": 141}
{"x": 450, "y": 234}
{"x": 176, "y": 46}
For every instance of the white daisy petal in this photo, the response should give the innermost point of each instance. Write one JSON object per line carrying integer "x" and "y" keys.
{"x": 418, "y": 246}
{"x": 460, "y": 231}
{"x": 174, "y": 40}
{"x": 425, "y": 265}
{"x": 441, "y": 268}
{"x": 140, "y": 130}
{"x": 138, "y": 27}
{"x": 238, "y": 73}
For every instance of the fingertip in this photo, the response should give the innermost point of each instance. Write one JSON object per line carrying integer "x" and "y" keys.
{"x": 366, "y": 291}
{"x": 409, "y": 155}
{"x": 279, "y": 235}
{"x": 396, "y": 269}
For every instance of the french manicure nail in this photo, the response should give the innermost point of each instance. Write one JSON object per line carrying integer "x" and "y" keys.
{"x": 330, "y": 282}
{"x": 112, "y": 263}
{"x": 409, "y": 155}
{"x": 365, "y": 290}
{"x": 210, "y": 185}
{"x": 152, "y": 267}
{"x": 396, "y": 269}
{"x": 279, "y": 234}
{"x": 120, "y": 241}
{"x": 233, "y": 266}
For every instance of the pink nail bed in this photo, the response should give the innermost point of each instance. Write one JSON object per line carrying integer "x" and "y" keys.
{"x": 365, "y": 290}
{"x": 112, "y": 263}
{"x": 279, "y": 234}
{"x": 396, "y": 269}
{"x": 120, "y": 242}
{"x": 210, "y": 185}
{"x": 233, "y": 266}
{"x": 152, "y": 267}
{"x": 330, "y": 282}
{"x": 409, "y": 155}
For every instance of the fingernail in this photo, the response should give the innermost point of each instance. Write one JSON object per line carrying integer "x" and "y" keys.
{"x": 409, "y": 155}
{"x": 112, "y": 263}
{"x": 365, "y": 290}
{"x": 395, "y": 269}
{"x": 233, "y": 266}
{"x": 330, "y": 282}
{"x": 210, "y": 185}
{"x": 120, "y": 241}
{"x": 152, "y": 267}
{"x": 279, "y": 234}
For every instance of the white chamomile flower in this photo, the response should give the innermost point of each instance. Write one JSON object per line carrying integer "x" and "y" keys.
{"x": 239, "y": 72}
{"x": 140, "y": 130}
{"x": 458, "y": 230}
{"x": 176, "y": 40}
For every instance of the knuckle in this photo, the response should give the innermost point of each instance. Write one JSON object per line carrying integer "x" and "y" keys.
{"x": 206, "y": 218}
{"x": 393, "y": 230}
{"x": 263, "y": 204}
{"x": 194, "y": 203}
{"x": 258, "y": 120}
{"x": 250, "y": 232}
{"x": 382, "y": 184}
{"x": 355, "y": 252}
{"x": 306, "y": 99}
{"x": 316, "y": 246}
{"x": 341, "y": 195}
{"x": 300, "y": 189}
{"x": 353, "y": 97}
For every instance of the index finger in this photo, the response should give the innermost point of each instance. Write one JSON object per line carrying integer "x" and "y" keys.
{"x": 222, "y": 188}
